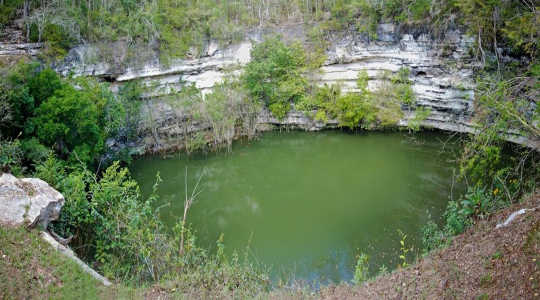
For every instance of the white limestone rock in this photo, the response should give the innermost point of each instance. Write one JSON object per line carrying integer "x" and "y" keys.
{"x": 29, "y": 201}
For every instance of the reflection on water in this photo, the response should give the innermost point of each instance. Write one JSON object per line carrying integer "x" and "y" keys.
{"x": 309, "y": 202}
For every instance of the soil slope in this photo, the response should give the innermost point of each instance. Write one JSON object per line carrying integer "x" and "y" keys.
{"x": 482, "y": 263}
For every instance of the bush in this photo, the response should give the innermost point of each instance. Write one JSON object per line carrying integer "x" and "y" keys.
{"x": 69, "y": 122}
{"x": 275, "y": 76}
{"x": 34, "y": 152}
{"x": 58, "y": 40}
{"x": 432, "y": 237}
{"x": 15, "y": 93}
{"x": 73, "y": 117}
{"x": 120, "y": 233}
{"x": 456, "y": 221}
{"x": 355, "y": 110}
{"x": 42, "y": 85}
{"x": 476, "y": 203}
{"x": 111, "y": 222}
{"x": 11, "y": 156}
{"x": 52, "y": 171}
{"x": 352, "y": 110}
{"x": 420, "y": 115}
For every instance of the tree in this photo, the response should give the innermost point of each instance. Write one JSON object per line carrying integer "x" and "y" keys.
{"x": 69, "y": 121}
{"x": 275, "y": 75}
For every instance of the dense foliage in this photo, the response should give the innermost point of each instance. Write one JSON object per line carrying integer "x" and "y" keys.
{"x": 362, "y": 107}
{"x": 56, "y": 129}
{"x": 275, "y": 75}
{"x": 180, "y": 28}
{"x": 120, "y": 233}
{"x": 74, "y": 117}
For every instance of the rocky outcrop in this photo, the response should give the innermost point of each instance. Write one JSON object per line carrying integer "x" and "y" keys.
{"x": 28, "y": 201}
{"x": 14, "y": 49}
{"x": 441, "y": 72}
{"x": 441, "y": 76}
{"x": 11, "y": 53}
{"x": 32, "y": 202}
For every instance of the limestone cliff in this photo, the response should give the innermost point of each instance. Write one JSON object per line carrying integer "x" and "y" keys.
{"x": 441, "y": 76}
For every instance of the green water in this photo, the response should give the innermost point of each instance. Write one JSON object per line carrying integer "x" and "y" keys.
{"x": 309, "y": 202}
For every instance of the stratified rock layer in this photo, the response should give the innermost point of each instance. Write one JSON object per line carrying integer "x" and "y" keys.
{"x": 441, "y": 76}
{"x": 441, "y": 72}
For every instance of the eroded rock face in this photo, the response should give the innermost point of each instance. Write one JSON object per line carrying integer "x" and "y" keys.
{"x": 441, "y": 72}
{"x": 28, "y": 201}
{"x": 17, "y": 49}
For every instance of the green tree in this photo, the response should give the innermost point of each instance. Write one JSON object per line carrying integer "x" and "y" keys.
{"x": 69, "y": 122}
{"x": 43, "y": 85}
{"x": 275, "y": 75}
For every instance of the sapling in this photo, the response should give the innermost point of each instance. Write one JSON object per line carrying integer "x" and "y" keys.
{"x": 188, "y": 201}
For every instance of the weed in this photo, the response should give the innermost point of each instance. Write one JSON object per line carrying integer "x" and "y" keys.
{"x": 497, "y": 255}
{"x": 362, "y": 268}
{"x": 404, "y": 250}
{"x": 483, "y": 297}
{"x": 486, "y": 280}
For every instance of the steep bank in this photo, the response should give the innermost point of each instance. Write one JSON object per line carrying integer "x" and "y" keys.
{"x": 485, "y": 262}
{"x": 441, "y": 75}
{"x": 31, "y": 269}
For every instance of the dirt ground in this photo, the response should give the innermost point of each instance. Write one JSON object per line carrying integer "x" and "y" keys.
{"x": 482, "y": 263}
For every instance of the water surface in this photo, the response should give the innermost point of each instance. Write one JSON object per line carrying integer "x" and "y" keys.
{"x": 308, "y": 203}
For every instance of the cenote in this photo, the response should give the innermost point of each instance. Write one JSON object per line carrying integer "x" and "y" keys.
{"x": 308, "y": 203}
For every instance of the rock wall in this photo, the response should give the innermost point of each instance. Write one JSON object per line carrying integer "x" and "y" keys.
{"x": 441, "y": 75}
{"x": 11, "y": 52}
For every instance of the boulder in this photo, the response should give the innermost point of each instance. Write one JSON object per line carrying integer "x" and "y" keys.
{"x": 29, "y": 201}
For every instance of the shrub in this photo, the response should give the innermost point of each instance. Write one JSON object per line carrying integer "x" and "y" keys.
{"x": 364, "y": 109}
{"x": 280, "y": 109}
{"x": 420, "y": 115}
{"x": 355, "y": 110}
{"x": 456, "y": 222}
{"x": 11, "y": 156}
{"x": 15, "y": 92}
{"x": 69, "y": 122}
{"x": 120, "y": 233}
{"x": 482, "y": 164}
{"x": 74, "y": 117}
{"x": 111, "y": 222}
{"x": 476, "y": 203}
{"x": 34, "y": 152}
{"x": 275, "y": 75}
{"x": 43, "y": 85}
{"x": 432, "y": 237}
{"x": 361, "y": 270}
{"x": 57, "y": 39}
{"x": 401, "y": 86}
{"x": 52, "y": 171}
